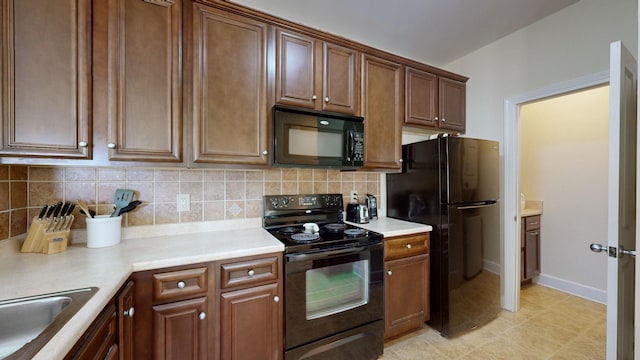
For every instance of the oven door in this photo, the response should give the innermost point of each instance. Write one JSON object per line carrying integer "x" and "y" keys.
{"x": 332, "y": 290}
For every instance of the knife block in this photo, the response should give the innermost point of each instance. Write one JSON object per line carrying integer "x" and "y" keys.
{"x": 47, "y": 242}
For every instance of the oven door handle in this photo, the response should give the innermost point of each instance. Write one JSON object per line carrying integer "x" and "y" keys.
{"x": 325, "y": 254}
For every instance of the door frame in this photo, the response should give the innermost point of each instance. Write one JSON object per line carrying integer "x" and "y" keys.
{"x": 510, "y": 294}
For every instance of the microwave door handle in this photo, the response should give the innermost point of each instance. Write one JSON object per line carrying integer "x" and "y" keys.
{"x": 350, "y": 145}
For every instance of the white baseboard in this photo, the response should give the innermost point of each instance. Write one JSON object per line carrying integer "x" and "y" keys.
{"x": 573, "y": 288}
{"x": 566, "y": 286}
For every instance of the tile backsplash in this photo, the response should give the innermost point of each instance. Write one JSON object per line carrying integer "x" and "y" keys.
{"x": 215, "y": 194}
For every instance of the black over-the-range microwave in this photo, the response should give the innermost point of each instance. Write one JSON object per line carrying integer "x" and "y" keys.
{"x": 307, "y": 138}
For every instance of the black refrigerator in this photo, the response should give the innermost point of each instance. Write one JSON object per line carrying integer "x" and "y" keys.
{"x": 452, "y": 184}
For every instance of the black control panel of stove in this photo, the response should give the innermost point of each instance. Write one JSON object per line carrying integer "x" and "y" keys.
{"x": 303, "y": 202}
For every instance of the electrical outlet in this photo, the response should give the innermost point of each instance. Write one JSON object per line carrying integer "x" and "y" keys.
{"x": 184, "y": 203}
{"x": 354, "y": 196}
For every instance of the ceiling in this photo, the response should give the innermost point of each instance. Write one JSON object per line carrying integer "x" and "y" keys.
{"x": 432, "y": 31}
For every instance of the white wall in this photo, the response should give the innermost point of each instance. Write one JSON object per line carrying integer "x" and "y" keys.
{"x": 563, "y": 162}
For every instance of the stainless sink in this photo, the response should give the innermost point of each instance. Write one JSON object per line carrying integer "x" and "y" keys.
{"x": 27, "y": 324}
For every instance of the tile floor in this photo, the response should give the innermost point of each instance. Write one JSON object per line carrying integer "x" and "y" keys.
{"x": 549, "y": 325}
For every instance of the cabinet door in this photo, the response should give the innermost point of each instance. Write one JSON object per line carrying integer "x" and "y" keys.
{"x": 144, "y": 87}
{"x": 46, "y": 78}
{"x": 251, "y": 323}
{"x": 99, "y": 341}
{"x": 406, "y": 294}
{"x": 382, "y": 99}
{"x": 125, "y": 322}
{"x": 295, "y": 69}
{"x": 180, "y": 330}
{"x": 229, "y": 88}
{"x": 532, "y": 254}
{"x": 452, "y": 104}
{"x": 421, "y": 93}
{"x": 340, "y": 79}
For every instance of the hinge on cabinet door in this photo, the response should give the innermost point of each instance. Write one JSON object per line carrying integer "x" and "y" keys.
{"x": 165, "y": 3}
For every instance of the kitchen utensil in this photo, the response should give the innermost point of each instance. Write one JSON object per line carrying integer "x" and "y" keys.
{"x": 132, "y": 206}
{"x": 84, "y": 208}
{"x": 311, "y": 228}
{"x": 43, "y": 212}
{"x": 54, "y": 216}
{"x": 121, "y": 199}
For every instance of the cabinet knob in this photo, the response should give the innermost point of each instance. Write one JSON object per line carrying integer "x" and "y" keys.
{"x": 401, "y": 161}
{"x": 202, "y": 315}
{"x": 435, "y": 118}
{"x": 443, "y": 120}
{"x": 83, "y": 144}
{"x": 181, "y": 284}
{"x": 408, "y": 246}
{"x": 326, "y": 99}
{"x": 111, "y": 145}
{"x": 265, "y": 152}
{"x": 129, "y": 312}
{"x": 313, "y": 97}
{"x": 251, "y": 272}
{"x": 389, "y": 272}
{"x": 276, "y": 298}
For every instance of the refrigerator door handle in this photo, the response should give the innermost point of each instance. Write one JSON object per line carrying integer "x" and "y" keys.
{"x": 466, "y": 207}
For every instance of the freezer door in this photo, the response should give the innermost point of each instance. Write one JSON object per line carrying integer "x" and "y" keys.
{"x": 472, "y": 170}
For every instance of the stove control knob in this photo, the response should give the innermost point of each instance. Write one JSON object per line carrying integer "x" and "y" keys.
{"x": 274, "y": 202}
{"x": 285, "y": 201}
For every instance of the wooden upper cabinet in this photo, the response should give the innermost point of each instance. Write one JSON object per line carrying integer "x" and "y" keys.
{"x": 420, "y": 103}
{"x": 383, "y": 109}
{"x": 229, "y": 88}
{"x": 315, "y": 74}
{"x": 434, "y": 101}
{"x": 452, "y": 103}
{"x": 144, "y": 91}
{"x": 45, "y": 60}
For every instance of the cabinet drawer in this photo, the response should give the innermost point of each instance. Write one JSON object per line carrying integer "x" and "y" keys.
{"x": 249, "y": 272}
{"x": 409, "y": 245}
{"x": 532, "y": 223}
{"x": 179, "y": 284}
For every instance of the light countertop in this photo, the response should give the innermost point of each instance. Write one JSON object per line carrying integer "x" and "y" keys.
{"x": 27, "y": 274}
{"x": 393, "y": 227}
{"x": 142, "y": 248}
{"x": 530, "y": 212}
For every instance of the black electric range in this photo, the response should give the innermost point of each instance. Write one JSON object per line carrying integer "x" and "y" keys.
{"x": 285, "y": 217}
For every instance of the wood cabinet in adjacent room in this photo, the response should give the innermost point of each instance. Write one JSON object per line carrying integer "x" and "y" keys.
{"x": 530, "y": 243}
{"x": 315, "y": 74}
{"x": 228, "y": 96}
{"x": 406, "y": 283}
{"x": 383, "y": 107}
{"x": 434, "y": 101}
{"x": 46, "y": 79}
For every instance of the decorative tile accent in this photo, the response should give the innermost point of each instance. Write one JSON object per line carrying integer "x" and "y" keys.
{"x": 216, "y": 194}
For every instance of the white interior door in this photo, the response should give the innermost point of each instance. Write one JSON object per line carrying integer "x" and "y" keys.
{"x": 622, "y": 203}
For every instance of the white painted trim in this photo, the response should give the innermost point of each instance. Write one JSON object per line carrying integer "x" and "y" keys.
{"x": 573, "y": 288}
{"x": 510, "y": 249}
{"x": 492, "y": 267}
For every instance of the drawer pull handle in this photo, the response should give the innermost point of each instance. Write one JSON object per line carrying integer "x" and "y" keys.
{"x": 202, "y": 315}
{"x": 533, "y": 233}
{"x": 276, "y": 298}
{"x": 408, "y": 246}
{"x": 533, "y": 223}
{"x": 129, "y": 312}
{"x": 251, "y": 272}
{"x": 181, "y": 284}
{"x": 389, "y": 272}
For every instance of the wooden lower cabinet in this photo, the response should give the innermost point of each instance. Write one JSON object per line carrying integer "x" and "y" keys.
{"x": 530, "y": 243}
{"x": 228, "y": 309}
{"x": 180, "y": 329}
{"x": 406, "y": 284}
{"x": 249, "y": 322}
{"x": 110, "y": 336}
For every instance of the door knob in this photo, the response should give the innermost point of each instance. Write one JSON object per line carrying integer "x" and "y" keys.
{"x": 624, "y": 252}
{"x": 598, "y": 248}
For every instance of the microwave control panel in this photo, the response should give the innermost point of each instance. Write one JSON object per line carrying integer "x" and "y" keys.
{"x": 358, "y": 148}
